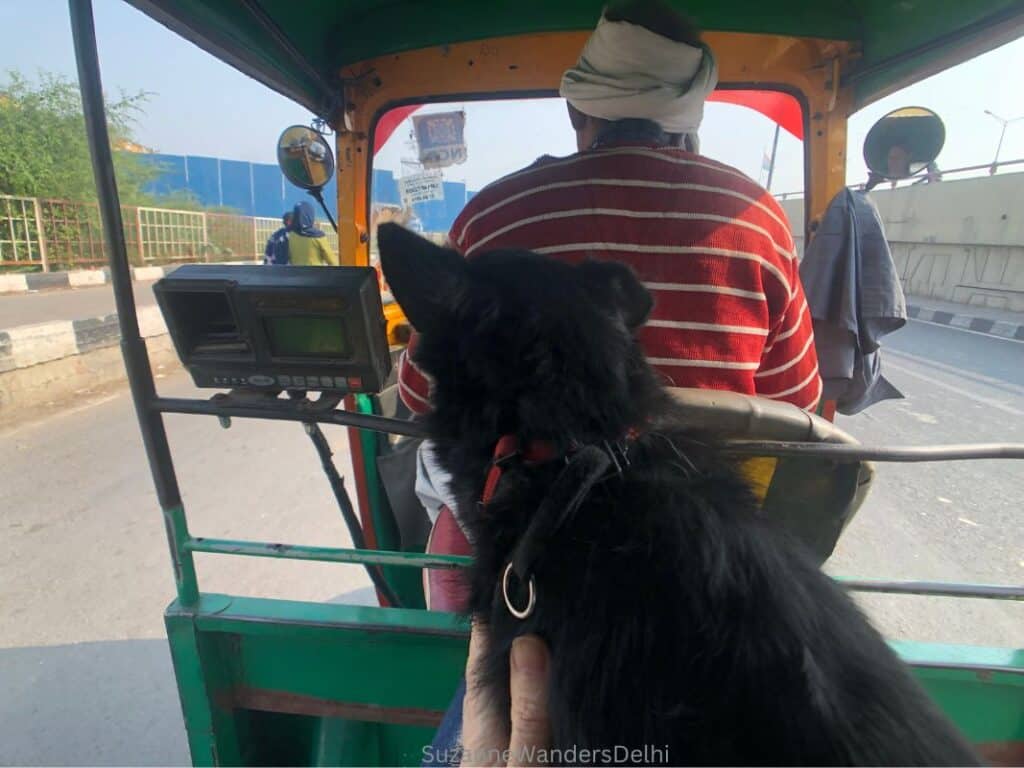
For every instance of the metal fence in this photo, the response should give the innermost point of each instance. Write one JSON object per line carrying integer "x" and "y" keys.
{"x": 21, "y": 241}
{"x": 974, "y": 170}
{"x": 37, "y": 234}
{"x": 168, "y": 236}
{"x": 72, "y": 234}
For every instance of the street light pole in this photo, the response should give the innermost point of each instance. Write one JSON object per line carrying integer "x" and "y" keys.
{"x": 771, "y": 166}
{"x": 1004, "y": 122}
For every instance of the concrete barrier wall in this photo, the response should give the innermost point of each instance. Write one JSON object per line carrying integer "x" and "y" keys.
{"x": 960, "y": 241}
{"x": 51, "y": 363}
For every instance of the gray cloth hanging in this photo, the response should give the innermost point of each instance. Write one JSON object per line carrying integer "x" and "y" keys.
{"x": 855, "y": 298}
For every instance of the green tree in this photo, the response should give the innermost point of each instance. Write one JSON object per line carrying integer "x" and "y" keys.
{"x": 44, "y": 151}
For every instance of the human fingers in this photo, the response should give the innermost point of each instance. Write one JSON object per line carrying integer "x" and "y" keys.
{"x": 484, "y": 736}
{"x": 531, "y": 728}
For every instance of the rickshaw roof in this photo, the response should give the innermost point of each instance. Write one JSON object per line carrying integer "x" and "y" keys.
{"x": 300, "y": 49}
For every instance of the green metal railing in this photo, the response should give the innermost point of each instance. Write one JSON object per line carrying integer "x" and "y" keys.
{"x": 45, "y": 234}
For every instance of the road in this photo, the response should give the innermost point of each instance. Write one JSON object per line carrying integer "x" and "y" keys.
{"x": 84, "y": 572}
{"x": 943, "y": 521}
{"x": 70, "y": 304}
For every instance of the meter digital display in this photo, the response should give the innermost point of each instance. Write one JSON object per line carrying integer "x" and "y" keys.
{"x": 274, "y": 328}
{"x": 307, "y": 337}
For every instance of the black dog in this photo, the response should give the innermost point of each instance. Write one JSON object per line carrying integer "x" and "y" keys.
{"x": 677, "y": 619}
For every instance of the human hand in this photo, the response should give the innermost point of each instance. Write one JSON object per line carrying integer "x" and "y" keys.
{"x": 489, "y": 740}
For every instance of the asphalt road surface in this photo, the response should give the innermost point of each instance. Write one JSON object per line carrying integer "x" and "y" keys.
{"x": 84, "y": 571}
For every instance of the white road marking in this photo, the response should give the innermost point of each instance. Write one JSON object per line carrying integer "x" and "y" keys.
{"x": 924, "y": 418}
{"x": 959, "y": 391}
{"x": 960, "y": 372}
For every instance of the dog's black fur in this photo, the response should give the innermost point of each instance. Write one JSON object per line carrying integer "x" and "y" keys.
{"x": 676, "y": 617}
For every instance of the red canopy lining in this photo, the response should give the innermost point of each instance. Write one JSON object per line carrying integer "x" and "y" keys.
{"x": 779, "y": 107}
{"x": 389, "y": 123}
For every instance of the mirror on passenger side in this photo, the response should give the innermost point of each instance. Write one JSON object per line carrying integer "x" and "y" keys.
{"x": 904, "y": 143}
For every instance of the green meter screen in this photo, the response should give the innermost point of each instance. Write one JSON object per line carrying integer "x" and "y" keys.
{"x": 307, "y": 337}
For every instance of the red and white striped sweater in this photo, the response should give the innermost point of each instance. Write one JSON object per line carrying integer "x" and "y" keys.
{"x": 712, "y": 246}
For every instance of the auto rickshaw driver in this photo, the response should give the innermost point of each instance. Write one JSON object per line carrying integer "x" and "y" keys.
{"x": 713, "y": 247}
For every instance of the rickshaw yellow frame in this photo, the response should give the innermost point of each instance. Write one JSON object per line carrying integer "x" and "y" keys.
{"x": 528, "y": 65}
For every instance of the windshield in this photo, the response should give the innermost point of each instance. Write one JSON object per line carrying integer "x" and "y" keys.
{"x": 501, "y": 137}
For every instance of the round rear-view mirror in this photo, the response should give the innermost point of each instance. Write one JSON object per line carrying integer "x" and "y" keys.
{"x": 305, "y": 157}
{"x": 904, "y": 142}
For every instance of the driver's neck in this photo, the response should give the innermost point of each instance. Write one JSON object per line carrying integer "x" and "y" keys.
{"x": 632, "y": 131}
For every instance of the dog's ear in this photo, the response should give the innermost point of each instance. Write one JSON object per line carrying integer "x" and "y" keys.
{"x": 615, "y": 286}
{"x": 425, "y": 279}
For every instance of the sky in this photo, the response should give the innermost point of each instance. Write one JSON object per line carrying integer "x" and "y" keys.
{"x": 201, "y": 106}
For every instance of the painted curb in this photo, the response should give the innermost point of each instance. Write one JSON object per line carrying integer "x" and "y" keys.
{"x": 27, "y": 345}
{"x": 81, "y": 278}
{"x": 15, "y": 283}
{"x": 1000, "y": 328}
{"x": 42, "y": 281}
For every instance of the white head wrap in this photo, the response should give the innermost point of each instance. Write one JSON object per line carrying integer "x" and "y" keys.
{"x": 627, "y": 71}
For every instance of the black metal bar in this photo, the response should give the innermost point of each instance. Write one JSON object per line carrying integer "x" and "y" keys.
{"x": 133, "y": 348}
{"x": 845, "y": 452}
{"x": 348, "y": 512}
{"x": 344, "y": 418}
{"x": 935, "y": 589}
{"x": 834, "y": 451}
{"x": 317, "y": 195}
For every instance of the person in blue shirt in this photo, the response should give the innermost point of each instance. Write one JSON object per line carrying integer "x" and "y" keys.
{"x": 276, "y": 251}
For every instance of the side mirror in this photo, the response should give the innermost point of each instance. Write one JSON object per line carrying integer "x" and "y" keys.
{"x": 903, "y": 143}
{"x": 305, "y": 157}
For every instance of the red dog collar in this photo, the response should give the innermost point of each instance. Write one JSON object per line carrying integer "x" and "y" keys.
{"x": 507, "y": 449}
{"x": 541, "y": 451}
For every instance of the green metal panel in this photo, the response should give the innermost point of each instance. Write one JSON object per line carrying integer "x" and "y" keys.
{"x": 330, "y": 34}
{"x": 270, "y": 682}
{"x": 897, "y": 27}
{"x": 985, "y": 697}
{"x": 281, "y": 551}
{"x": 273, "y": 682}
{"x": 201, "y": 669}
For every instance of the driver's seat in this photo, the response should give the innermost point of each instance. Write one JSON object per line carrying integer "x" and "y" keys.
{"x": 813, "y": 497}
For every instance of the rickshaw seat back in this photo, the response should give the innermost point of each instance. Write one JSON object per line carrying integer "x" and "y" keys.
{"x": 734, "y": 415}
{"x": 812, "y": 497}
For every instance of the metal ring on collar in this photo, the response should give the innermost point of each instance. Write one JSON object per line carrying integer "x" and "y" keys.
{"x": 531, "y": 600}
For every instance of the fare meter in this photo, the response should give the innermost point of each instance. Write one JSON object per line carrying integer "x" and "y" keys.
{"x": 278, "y": 328}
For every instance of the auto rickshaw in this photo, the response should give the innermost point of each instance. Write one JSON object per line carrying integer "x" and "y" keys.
{"x": 266, "y": 681}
